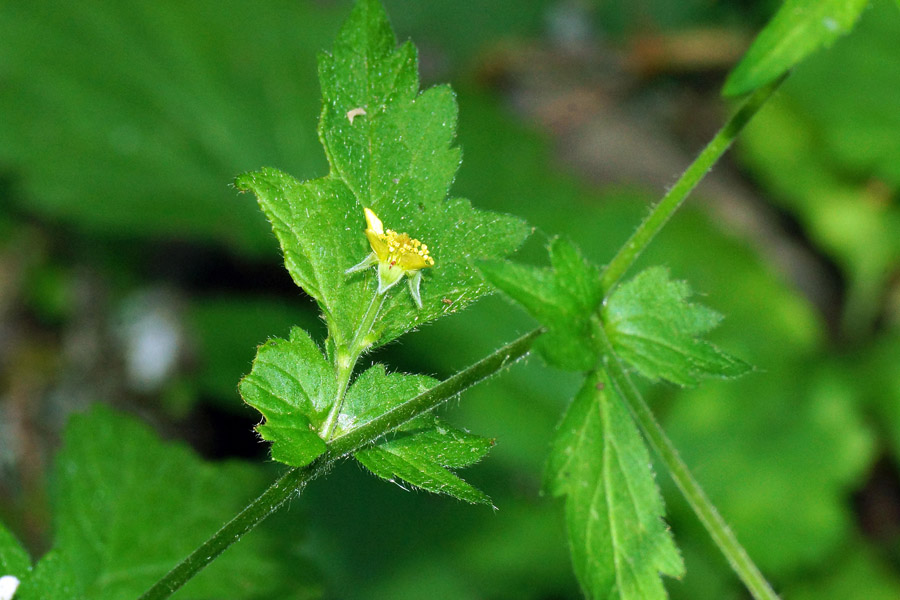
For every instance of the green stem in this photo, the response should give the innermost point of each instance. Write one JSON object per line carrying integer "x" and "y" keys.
{"x": 721, "y": 534}
{"x": 346, "y": 362}
{"x": 287, "y": 485}
{"x": 665, "y": 208}
{"x": 347, "y": 442}
{"x": 495, "y": 362}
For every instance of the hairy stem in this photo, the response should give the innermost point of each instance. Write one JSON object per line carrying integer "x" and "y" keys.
{"x": 721, "y": 534}
{"x": 346, "y": 362}
{"x": 347, "y": 442}
{"x": 665, "y": 208}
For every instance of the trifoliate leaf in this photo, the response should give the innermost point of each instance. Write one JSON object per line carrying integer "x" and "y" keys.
{"x": 799, "y": 28}
{"x": 564, "y": 298}
{"x": 620, "y": 545}
{"x": 390, "y": 149}
{"x": 653, "y": 327}
{"x": 293, "y": 386}
{"x": 128, "y": 507}
{"x": 422, "y": 453}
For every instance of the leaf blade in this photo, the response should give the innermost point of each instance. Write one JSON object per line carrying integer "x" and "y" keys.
{"x": 799, "y": 28}
{"x": 653, "y": 327}
{"x": 292, "y": 386}
{"x": 619, "y": 543}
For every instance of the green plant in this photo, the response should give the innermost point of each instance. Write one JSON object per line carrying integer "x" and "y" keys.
{"x": 390, "y": 151}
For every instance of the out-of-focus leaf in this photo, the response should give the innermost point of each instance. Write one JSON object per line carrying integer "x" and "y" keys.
{"x": 856, "y": 571}
{"x": 799, "y": 28}
{"x": 563, "y": 298}
{"x": 131, "y": 118}
{"x": 799, "y": 434}
{"x": 421, "y": 455}
{"x": 128, "y": 507}
{"x": 828, "y": 150}
{"x": 14, "y": 559}
{"x": 227, "y": 328}
{"x": 619, "y": 542}
{"x": 653, "y": 327}
{"x": 293, "y": 386}
{"x": 395, "y": 157}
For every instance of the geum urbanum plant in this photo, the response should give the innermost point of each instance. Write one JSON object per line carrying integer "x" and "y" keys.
{"x": 380, "y": 217}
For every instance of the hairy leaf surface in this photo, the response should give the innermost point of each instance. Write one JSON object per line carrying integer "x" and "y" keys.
{"x": 653, "y": 327}
{"x": 424, "y": 448}
{"x": 799, "y": 28}
{"x": 564, "y": 298}
{"x": 128, "y": 507}
{"x": 390, "y": 148}
{"x": 293, "y": 386}
{"x": 620, "y": 545}
{"x": 422, "y": 454}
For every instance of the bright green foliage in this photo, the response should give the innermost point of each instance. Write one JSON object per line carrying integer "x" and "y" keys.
{"x": 564, "y": 298}
{"x": 422, "y": 453}
{"x": 653, "y": 327}
{"x": 396, "y": 158}
{"x": 127, "y": 507}
{"x": 799, "y": 28}
{"x": 375, "y": 392}
{"x": 293, "y": 386}
{"x": 828, "y": 150}
{"x": 423, "y": 447}
{"x": 14, "y": 559}
{"x": 619, "y": 542}
{"x": 856, "y": 572}
{"x": 800, "y": 429}
{"x": 144, "y": 110}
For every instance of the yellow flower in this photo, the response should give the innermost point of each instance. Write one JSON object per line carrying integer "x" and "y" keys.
{"x": 396, "y": 255}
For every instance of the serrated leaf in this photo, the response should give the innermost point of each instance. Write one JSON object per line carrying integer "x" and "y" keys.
{"x": 375, "y": 392}
{"x": 293, "y": 386}
{"x": 128, "y": 507}
{"x": 620, "y": 545}
{"x": 421, "y": 455}
{"x": 422, "y": 449}
{"x": 564, "y": 298}
{"x": 390, "y": 149}
{"x": 653, "y": 327}
{"x": 799, "y": 28}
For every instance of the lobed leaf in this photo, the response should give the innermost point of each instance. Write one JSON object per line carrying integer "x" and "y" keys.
{"x": 564, "y": 298}
{"x": 619, "y": 543}
{"x": 293, "y": 386}
{"x": 390, "y": 149}
{"x": 421, "y": 455}
{"x": 423, "y": 448}
{"x": 799, "y": 28}
{"x": 653, "y": 327}
{"x": 127, "y": 507}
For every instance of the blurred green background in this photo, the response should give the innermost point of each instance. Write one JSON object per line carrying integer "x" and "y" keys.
{"x": 132, "y": 274}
